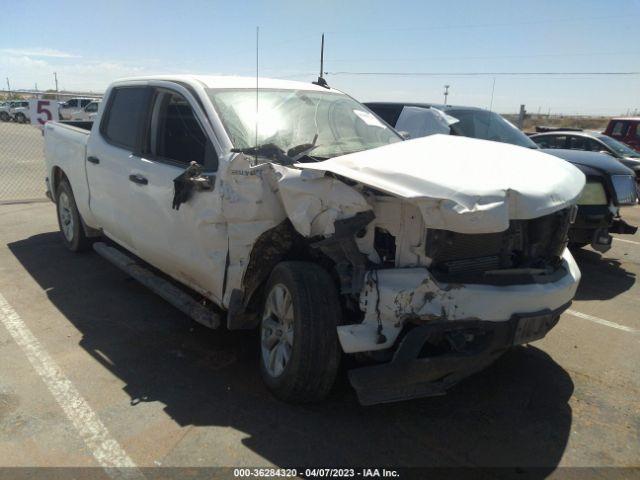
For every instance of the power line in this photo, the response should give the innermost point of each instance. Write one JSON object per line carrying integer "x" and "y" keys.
{"x": 478, "y": 74}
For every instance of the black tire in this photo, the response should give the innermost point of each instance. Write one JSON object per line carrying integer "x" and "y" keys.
{"x": 20, "y": 118}
{"x": 314, "y": 358}
{"x": 69, "y": 220}
{"x": 4, "y": 116}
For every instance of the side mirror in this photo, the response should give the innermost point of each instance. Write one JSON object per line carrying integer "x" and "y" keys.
{"x": 606, "y": 152}
{"x": 404, "y": 134}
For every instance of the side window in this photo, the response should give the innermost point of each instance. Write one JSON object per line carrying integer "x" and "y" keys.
{"x": 176, "y": 133}
{"x": 389, "y": 113}
{"x": 637, "y": 134}
{"x": 546, "y": 141}
{"x": 125, "y": 116}
{"x": 92, "y": 107}
{"x": 84, "y": 103}
{"x": 72, "y": 103}
{"x": 619, "y": 129}
{"x": 560, "y": 141}
{"x": 576, "y": 143}
{"x": 594, "y": 145}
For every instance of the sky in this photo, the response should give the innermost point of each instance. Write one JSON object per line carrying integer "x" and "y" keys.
{"x": 91, "y": 43}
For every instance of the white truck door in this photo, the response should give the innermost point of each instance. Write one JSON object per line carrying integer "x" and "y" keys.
{"x": 110, "y": 158}
{"x": 188, "y": 243}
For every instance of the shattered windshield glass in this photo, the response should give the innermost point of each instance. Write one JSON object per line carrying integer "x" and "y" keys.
{"x": 298, "y": 123}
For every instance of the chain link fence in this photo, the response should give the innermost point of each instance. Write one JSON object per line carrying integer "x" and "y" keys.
{"x": 22, "y": 170}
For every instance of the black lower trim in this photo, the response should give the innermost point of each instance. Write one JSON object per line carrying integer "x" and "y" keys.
{"x": 436, "y": 355}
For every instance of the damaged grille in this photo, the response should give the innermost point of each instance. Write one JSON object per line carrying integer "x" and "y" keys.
{"x": 526, "y": 248}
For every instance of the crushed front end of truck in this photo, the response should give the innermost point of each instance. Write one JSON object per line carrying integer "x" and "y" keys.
{"x": 444, "y": 268}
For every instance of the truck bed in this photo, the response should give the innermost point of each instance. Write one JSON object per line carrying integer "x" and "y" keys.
{"x": 66, "y": 151}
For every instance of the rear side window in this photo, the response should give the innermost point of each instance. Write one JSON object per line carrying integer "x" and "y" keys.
{"x": 544, "y": 142}
{"x": 619, "y": 129}
{"x": 72, "y": 103}
{"x": 577, "y": 143}
{"x": 389, "y": 113}
{"x": 125, "y": 116}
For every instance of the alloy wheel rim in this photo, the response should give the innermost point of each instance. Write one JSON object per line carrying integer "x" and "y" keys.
{"x": 66, "y": 218}
{"x": 277, "y": 330}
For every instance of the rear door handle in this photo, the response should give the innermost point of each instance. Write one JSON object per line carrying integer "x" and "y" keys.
{"x": 95, "y": 160}
{"x": 139, "y": 179}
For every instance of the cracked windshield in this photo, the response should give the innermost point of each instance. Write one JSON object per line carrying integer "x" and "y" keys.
{"x": 299, "y": 124}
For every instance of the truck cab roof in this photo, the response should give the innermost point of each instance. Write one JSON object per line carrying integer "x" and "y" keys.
{"x": 229, "y": 82}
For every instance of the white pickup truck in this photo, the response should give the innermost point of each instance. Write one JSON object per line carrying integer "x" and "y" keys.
{"x": 293, "y": 209}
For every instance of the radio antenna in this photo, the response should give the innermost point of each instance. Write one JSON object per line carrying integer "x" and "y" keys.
{"x": 321, "y": 81}
{"x": 257, "y": 105}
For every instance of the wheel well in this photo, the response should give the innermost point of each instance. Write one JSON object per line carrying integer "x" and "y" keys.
{"x": 279, "y": 244}
{"x": 57, "y": 175}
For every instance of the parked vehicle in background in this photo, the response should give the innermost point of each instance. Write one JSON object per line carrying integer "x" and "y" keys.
{"x": 626, "y": 130}
{"x": 88, "y": 113}
{"x": 314, "y": 222}
{"x": 610, "y": 184}
{"x": 73, "y": 106}
{"x": 19, "y": 111}
{"x": 590, "y": 142}
{"x": 4, "y": 111}
{"x": 8, "y": 111}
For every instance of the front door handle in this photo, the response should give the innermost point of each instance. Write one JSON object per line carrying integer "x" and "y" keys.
{"x": 139, "y": 179}
{"x": 95, "y": 160}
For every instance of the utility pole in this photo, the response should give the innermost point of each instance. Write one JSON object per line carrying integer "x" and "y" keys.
{"x": 446, "y": 93}
{"x": 8, "y": 89}
{"x": 521, "y": 116}
{"x": 55, "y": 77}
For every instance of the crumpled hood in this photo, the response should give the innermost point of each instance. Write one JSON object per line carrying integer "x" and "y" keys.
{"x": 463, "y": 184}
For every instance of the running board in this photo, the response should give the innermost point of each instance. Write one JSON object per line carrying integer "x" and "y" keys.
{"x": 172, "y": 294}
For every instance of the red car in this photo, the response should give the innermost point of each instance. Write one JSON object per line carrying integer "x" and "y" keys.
{"x": 626, "y": 130}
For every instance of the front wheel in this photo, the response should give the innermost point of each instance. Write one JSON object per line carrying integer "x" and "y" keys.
{"x": 69, "y": 219}
{"x": 20, "y": 118}
{"x": 299, "y": 355}
{"x": 4, "y": 116}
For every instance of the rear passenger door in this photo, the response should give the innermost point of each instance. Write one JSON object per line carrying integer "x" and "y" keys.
{"x": 110, "y": 154}
{"x": 189, "y": 243}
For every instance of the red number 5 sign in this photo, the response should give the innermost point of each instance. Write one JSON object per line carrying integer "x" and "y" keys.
{"x": 42, "y": 111}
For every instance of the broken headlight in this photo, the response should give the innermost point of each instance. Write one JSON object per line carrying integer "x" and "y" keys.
{"x": 593, "y": 194}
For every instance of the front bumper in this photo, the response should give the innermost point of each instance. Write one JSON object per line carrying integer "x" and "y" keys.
{"x": 433, "y": 357}
{"x": 391, "y": 298}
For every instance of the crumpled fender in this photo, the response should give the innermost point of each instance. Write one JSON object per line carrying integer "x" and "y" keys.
{"x": 313, "y": 201}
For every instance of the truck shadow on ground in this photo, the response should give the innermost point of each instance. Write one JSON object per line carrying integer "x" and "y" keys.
{"x": 515, "y": 413}
{"x": 603, "y": 278}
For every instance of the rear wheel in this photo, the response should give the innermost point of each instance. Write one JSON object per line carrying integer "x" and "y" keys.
{"x": 69, "y": 219}
{"x": 4, "y": 116}
{"x": 299, "y": 355}
{"x": 20, "y": 117}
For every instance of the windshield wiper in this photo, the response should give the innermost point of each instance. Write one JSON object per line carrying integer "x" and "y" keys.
{"x": 269, "y": 151}
{"x": 303, "y": 150}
